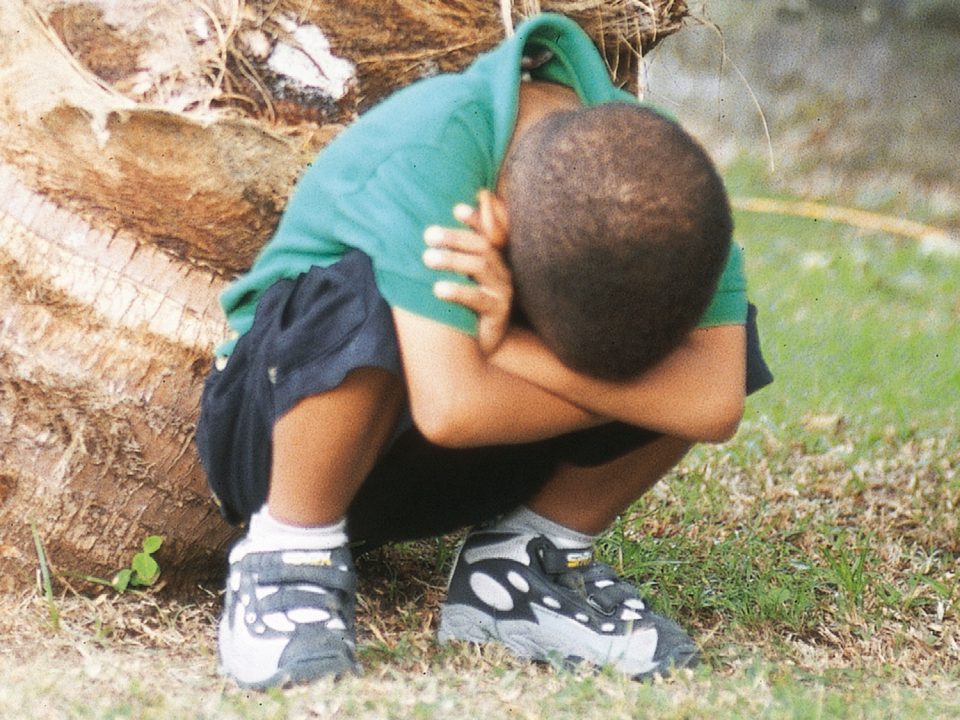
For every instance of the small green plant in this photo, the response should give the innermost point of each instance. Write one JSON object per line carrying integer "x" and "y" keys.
{"x": 144, "y": 570}
{"x": 847, "y": 570}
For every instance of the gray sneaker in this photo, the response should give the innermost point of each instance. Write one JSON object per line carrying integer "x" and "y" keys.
{"x": 288, "y": 616}
{"x": 544, "y": 603}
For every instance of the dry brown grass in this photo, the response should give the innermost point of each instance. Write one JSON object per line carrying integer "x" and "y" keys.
{"x": 801, "y": 513}
{"x": 154, "y": 656}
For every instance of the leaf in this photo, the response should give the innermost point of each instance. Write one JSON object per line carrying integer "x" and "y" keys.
{"x": 122, "y": 579}
{"x": 152, "y": 543}
{"x": 145, "y": 569}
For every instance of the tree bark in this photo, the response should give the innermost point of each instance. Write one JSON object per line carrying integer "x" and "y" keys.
{"x": 104, "y": 342}
{"x": 122, "y": 218}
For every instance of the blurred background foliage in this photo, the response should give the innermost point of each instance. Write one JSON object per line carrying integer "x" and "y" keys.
{"x": 851, "y": 102}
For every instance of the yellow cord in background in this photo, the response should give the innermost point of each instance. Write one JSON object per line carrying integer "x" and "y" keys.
{"x": 929, "y": 235}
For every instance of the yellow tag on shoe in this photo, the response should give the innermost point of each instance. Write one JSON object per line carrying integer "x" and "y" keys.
{"x": 579, "y": 558}
{"x": 317, "y": 558}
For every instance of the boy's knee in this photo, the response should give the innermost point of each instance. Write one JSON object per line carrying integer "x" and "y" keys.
{"x": 364, "y": 392}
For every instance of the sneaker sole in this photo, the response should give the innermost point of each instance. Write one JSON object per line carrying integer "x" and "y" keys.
{"x": 290, "y": 678}
{"x": 565, "y": 638}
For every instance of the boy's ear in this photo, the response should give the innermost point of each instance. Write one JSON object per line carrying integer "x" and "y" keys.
{"x": 494, "y": 221}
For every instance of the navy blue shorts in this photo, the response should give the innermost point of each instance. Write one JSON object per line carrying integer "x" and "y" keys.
{"x": 307, "y": 334}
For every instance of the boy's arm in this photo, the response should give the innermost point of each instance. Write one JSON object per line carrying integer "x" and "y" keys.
{"x": 459, "y": 399}
{"x": 697, "y": 392}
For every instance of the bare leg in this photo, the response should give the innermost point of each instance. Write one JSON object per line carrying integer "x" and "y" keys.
{"x": 323, "y": 449}
{"x": 326, "y": 445}
{"x": 589, "y": 499}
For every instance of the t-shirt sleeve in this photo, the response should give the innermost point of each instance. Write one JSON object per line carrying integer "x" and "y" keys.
{"x": 729, "y": 304}
{"x": 413, "y": 189}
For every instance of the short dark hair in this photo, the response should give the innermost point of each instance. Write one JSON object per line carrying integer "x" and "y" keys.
{"x": 619, "y": 230}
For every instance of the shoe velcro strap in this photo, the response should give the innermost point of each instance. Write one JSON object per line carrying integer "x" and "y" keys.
{"x": 557, "y": 562}
{"x": 323, "y": 568}
{"x": 611, "y": 596}
{"x": 577, "y": 570}
{"x": 288, "y": 598}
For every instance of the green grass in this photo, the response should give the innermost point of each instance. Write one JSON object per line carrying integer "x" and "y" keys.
{"x": 860, "y": 325}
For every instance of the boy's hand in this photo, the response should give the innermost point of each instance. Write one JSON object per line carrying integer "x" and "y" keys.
{"x": 476, "y": 253}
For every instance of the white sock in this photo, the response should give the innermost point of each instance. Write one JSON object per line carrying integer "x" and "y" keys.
{"x": 265, "y": 533}
{"x": 525, "y": 520}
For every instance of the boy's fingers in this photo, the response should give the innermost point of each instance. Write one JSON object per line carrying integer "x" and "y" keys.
{"x": 476, "y": 266}
{"x": 491, "y": 219}
{"x": 472, "y": 297}
{"x": 463, "y": 240}
{"x": 467, "y": 215}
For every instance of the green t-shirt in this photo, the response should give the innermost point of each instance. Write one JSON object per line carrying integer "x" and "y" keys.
{"x": 403, "y": 165}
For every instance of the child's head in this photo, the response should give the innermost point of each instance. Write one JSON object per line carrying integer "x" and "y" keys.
{"x": 619, "y": 229}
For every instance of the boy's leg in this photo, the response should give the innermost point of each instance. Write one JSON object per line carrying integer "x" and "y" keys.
{"x": 589, "y": 499}
{"x": 289, "y": 609}
{"x": 290, "y": 424}
{"x": 326, "y": 445}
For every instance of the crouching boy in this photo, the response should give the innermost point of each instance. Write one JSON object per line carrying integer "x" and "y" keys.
{"x": 505, "y": 298}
